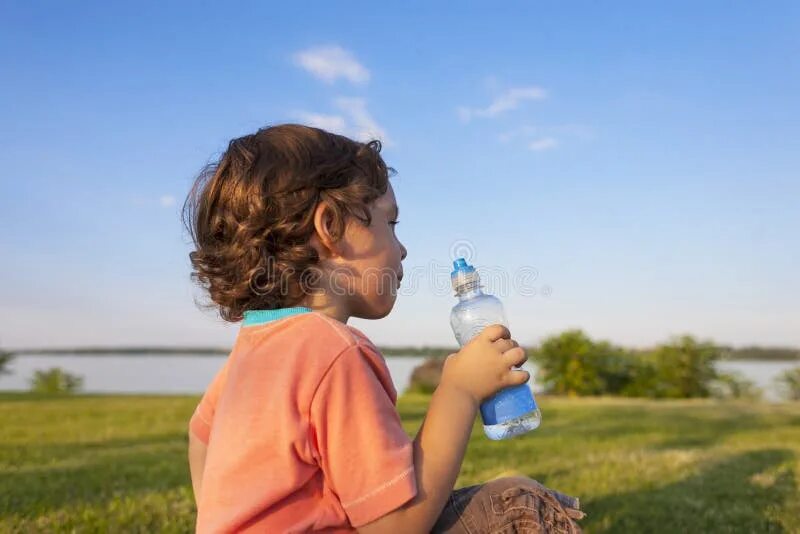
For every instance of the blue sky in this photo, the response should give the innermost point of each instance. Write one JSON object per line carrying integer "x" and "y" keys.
{"x": 642, "y": 161}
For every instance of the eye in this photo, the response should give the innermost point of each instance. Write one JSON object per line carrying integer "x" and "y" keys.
{"x": 394, "y": 222}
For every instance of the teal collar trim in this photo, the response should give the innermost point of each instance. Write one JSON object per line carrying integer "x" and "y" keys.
{"x": 256, "y": 317}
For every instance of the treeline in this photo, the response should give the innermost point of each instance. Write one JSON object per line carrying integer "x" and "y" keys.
{"x": 431, "y": 352}
{"x": 760, "y": 353}
{"x": 571, "y": 363}
{"x": 725, "y": 352}
{"x": 102, "y": 351}
{"x": 437, "y": 352}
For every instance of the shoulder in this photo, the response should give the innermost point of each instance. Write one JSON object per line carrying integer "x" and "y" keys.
{"x": 362, "y": 363}
{"x": 312, "y": 334}
{"x": 361, "y": 338}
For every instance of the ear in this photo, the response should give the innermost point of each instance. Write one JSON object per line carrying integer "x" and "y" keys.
{"x": 323, "y": 238}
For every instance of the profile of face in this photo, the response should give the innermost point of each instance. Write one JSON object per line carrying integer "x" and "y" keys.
{"x": 366, "y": 269}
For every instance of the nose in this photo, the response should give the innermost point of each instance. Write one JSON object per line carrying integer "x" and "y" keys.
{"x": 403, "y": 252}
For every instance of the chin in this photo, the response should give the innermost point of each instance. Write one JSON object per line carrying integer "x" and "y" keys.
{"x": 378, "y": 310}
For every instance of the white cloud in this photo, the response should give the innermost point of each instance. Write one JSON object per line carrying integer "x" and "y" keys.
{"x": 354, "y": 121}
{"x": 166, "y": 200}
{"x": 363, "y": 126}
{"x": 540, "y": 138}
{"x": 329, "y": 63}
{"x": 543, "y": 143}
{"x": 332, "y": 123}
{"x": 507, "y": 101}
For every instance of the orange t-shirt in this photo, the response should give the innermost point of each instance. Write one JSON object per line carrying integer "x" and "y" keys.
{"x": 302, "y": 430}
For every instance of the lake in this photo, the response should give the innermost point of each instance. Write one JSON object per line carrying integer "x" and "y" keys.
{"x": 190, "y": 374}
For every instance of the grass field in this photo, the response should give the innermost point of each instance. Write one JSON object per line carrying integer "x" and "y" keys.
{"x": 117, "y": 463}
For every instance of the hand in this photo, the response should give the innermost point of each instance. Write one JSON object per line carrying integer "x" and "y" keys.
{"x": 484, "y": 365}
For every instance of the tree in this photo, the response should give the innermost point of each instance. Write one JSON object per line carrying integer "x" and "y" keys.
{"x": 5, "y": 359}
{"x": 426, "y": 377}
{"x": 55, "y": 380}
{"x": 573, "y": 364}
{"x": 734, "y": 385}
{"x": 685, "y": 368}
{"x": 789, "y": 382}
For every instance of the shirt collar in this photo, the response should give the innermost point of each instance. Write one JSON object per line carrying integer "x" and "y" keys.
{"x": 257, "y": 317}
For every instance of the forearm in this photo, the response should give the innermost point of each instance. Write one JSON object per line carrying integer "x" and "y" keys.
{"x": 197, "y": 460}
{"x": 439, "y": 449}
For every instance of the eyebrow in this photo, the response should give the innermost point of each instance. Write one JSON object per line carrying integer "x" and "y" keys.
{"x": 396, "y": 211}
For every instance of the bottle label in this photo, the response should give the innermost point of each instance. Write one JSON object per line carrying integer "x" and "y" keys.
{"x": 508, "y": 404}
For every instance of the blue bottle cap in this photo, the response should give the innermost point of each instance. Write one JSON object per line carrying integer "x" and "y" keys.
{"x": 463, "y": 275}
{"x": 460, "y": 266}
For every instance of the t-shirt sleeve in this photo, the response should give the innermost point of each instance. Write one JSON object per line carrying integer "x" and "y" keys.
{"x": 366, "y": 456}
{"x": 203, "y": 416}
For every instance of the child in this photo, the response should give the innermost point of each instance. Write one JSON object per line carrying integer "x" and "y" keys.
{"x": 294, "y": 230}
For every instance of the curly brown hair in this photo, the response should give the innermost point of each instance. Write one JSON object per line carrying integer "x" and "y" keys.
{"x": 251, "y": 213}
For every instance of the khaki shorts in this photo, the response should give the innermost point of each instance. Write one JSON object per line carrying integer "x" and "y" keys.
{"x": 509, "y": 505}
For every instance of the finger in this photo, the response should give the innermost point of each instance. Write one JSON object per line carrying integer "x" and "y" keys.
{"x": 515, "y": 377}
{"x": 504, "y": 345}
{"x": 515, "y": 357}
{"x": 495, "y": 331}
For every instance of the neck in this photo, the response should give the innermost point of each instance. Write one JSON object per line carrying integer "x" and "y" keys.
{"x": 334, "y": 304}
{"x": 333, "y": 311}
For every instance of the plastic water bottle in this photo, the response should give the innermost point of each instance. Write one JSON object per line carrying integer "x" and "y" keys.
{"x": 511, "y": 411}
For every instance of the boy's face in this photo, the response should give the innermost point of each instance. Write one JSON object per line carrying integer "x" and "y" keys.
{"x": 370, "y": 268}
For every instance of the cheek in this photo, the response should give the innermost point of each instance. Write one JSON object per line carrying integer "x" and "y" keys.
{"x": 379, "y": 283}
{"x": 376, "y": 253}
{"x": 378, "y": 248}
{"x": 379, "y": 291}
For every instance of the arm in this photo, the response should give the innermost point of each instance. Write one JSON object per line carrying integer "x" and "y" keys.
{"x": 200, "y": 428}
{"x": 439, "y": 449}
{"x": 197, "y": 460}
{"x": 480, "y": 369}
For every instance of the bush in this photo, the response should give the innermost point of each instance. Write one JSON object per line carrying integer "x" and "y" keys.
{"x": 573, "y": 364}
{"x": 789, "y": 383}
{"x": 426, "y": 377}
{"x": 684, "y": 368}
{"x": 55, "y": 380}
{"x": 5, "y": 358}
{"x": 645, "y": 379}
{"x": 734, "y": 386}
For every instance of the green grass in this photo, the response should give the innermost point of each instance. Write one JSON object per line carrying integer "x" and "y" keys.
{"x": 118, "y": 463}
